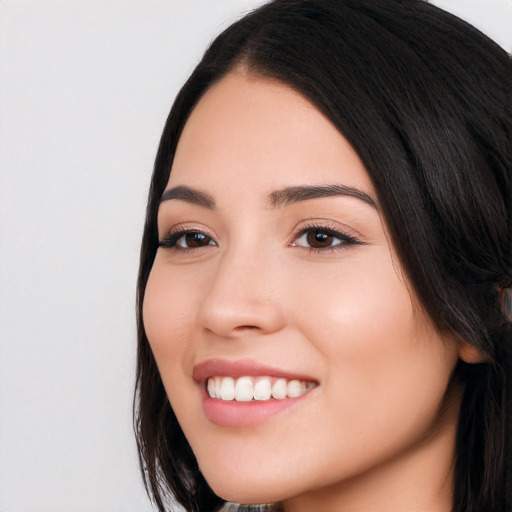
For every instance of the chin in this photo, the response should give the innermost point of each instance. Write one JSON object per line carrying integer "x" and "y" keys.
{"x": 247, "y": 491}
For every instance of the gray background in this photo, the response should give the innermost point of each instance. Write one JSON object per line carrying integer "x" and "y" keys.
{"x": 85, "y": 87}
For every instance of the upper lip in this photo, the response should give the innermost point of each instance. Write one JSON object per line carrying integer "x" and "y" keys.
{"x": 241, "y": 368}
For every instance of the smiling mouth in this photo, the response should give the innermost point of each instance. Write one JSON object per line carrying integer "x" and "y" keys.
{"x": 246, "y": 393}
{"x": 259, "y": 388}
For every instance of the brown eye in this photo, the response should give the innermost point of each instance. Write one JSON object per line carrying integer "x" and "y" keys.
{"x": 324, "y": 239}
{"x": 319, "y": 239}
{"x": 184, "y": 240}
{"x": 193, "y": 240}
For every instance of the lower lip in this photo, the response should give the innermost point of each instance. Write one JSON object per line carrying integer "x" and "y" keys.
{"x": 245, "y": 414}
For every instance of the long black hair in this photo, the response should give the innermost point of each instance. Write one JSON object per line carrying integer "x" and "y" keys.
{"x": 425, "y": 100}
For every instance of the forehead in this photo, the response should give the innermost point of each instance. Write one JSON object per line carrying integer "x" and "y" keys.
{"x": 268, "y": 134}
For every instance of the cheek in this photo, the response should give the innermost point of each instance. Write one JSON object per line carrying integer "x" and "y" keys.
{"x": 168, "y": 315}
{"x": 359, "y": 308}
{"x": 386, "y": 364}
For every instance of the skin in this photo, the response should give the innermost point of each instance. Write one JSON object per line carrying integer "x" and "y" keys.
{"x": 377, "y": 433}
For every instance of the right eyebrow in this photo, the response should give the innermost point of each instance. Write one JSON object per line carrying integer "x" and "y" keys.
{"x": 289, "y": 195}
{"x": 190, "y": 195}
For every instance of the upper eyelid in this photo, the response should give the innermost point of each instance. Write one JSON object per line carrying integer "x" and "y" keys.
{"x": 296, "y": 232}
{"x": 186, "y": 231}
{"x": 170, "y": 240}
{"x": 334, "y": 227}
{"x": 186, "y": 227}
{"x": 344, "y": 238}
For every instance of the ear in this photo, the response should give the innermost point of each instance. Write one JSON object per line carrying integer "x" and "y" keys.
{"x": 470, "y": 354}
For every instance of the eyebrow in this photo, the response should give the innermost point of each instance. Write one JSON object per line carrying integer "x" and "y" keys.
{"x": 190, "y": 195}
{"x": 277, "y": 198}
{"x": 289, "y": 195}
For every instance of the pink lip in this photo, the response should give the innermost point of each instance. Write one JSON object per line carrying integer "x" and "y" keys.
{"x": 241, "y": 368}
{"x": 242, "y": 414}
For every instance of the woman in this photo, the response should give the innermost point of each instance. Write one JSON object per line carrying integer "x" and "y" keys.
{"x": 328, "y": 232}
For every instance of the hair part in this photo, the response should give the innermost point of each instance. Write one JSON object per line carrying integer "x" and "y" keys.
{"x": 425, "y": 100}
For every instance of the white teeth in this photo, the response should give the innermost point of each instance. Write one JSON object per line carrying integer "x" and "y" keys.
{"x": 294, "y": 388}
{"x": 279, "y": 389}
{"x": 262, "y": 389}
{"x": 227, "y": 388}
{"x": 243, "y": 389}
{"x": 217, "y": 381}
{"x": 246, "y": 389}
{"x": 211, "y": 388}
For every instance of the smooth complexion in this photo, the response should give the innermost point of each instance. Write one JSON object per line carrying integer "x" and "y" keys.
{"x": 252, "y": 277}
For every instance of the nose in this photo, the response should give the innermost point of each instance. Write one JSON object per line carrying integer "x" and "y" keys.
{"x": 243, "y": 296}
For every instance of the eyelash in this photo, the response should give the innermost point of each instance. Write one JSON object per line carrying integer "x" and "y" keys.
{"x": 170, "y": 241}
{"x": 344, "y": 239}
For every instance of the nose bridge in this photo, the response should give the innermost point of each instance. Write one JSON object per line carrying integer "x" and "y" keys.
{"x": 244, "y": 292}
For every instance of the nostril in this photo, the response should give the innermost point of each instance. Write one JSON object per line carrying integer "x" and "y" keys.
{"x": 239, "y": 330}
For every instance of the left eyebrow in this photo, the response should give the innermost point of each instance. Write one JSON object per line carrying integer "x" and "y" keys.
{"x": 289, "y": 195}
{"x": 189, "y": 195}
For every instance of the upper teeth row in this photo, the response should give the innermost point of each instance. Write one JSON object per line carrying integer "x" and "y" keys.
{"x": 245, "y": 389}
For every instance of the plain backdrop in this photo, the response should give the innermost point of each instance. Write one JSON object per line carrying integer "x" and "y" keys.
{"x": 85, "y": 88}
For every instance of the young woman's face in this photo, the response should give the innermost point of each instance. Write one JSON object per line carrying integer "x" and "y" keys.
{"x": 276, "y": 276}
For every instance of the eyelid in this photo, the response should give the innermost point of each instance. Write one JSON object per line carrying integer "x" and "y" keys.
{"x": 344, "y": 233}
{"x": 178, "y": 230}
